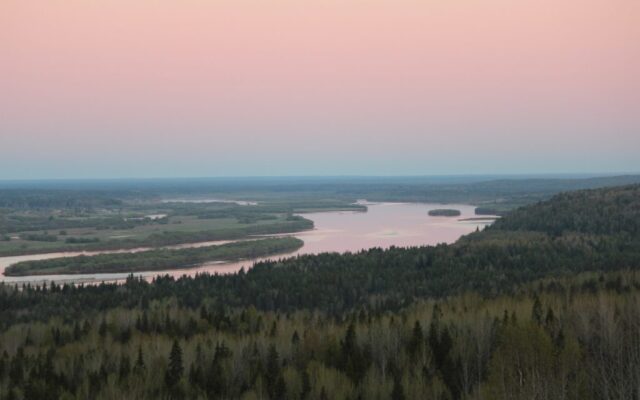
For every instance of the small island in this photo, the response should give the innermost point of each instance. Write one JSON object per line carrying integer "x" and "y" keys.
{"x": 487, "y": 211}
{"x": 444, "y": 212}
{"x": 156, "y": 260}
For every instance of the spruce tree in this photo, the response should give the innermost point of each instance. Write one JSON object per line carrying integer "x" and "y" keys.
{"x": 417, "y": 340}
{"x": 175, "y": 368}
{"x": 273, "y": 373}
{"x": 398, "y": 392}
{"x": 140, "y": 361}
{"x": 536, "y": 311}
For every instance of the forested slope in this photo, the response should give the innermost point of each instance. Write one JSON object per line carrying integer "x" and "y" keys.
{"x": 598, "y": 212}
{"x": 542, "y": 305}
{"x": 546, "y": 239}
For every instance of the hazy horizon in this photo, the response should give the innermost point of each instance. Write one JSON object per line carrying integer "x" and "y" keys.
{"x": 446, "y": 179}
{"x": 143, "y": 88}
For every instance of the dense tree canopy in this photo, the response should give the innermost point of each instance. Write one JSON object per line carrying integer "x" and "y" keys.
{"x": 542, "y": 305}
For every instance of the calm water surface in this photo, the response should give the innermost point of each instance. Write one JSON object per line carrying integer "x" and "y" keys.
{"x": 383, "y": 225}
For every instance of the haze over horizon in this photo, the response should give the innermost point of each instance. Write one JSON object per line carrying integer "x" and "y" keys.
{"x": 140, "y": 89}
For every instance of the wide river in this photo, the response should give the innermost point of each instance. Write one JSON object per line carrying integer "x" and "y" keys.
{"x": 383, "y": 225}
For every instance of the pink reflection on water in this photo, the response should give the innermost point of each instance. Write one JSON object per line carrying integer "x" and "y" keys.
{"x": 383, "y": 225}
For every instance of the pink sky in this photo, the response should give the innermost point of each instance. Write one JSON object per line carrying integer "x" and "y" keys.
{"x": 247, "y": 87}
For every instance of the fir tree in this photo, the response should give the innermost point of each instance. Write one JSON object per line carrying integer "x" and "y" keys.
{"x": 175, "y": 368}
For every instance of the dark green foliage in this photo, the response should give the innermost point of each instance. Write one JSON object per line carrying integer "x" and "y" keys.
{"x": 487, "y": 211}
{"x": 444, "y": 212}
{"x": 125, "y": 367}
{"x": 332, "y": 326}
{"x": 398, "y": 392}
{"x": 595, "y": 212}
{"x": 275, "y": 382}
{"x": 75, "y": 240}
{"x": 155, "y": 259}
{"x": 536, "y": 311}
{"x": 215, "y": 382}
{"x": 353, "y": 360}
{"x": 377, "y": 342}
{"x": 175, "y": 368}
{"x": 140, "y": 366}
{"x": 51, "y": 198}
{"x": 416, "y": 344}
{"x": 40, "y": 237}
{"x": 488, "y": 262}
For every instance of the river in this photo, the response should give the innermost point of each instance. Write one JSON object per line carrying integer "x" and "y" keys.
{"x": 383, "y": 225}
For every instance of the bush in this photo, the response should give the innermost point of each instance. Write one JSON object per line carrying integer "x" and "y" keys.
{"x": 75, "y": 240}
{"x": 45, "y": 237}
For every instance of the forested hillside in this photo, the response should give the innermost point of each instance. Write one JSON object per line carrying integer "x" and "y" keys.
{"x": 542, "y": 305}
{"x": 596, "y": 212}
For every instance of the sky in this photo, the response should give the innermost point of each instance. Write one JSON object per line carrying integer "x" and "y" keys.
{"x": 193, "y": 88}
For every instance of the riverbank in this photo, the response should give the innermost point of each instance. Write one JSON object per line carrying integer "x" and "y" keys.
{"x": 156, "y": 260}
{"x": 173, "y": 238}
{"x": 383, "y": 225}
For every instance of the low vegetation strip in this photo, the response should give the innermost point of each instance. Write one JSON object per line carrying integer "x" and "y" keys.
{"x": 168, "y": 238}
{"x": 155, "y": 260}
{"x": 444, "y": 212}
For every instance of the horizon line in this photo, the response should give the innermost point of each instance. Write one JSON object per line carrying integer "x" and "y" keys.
{"x": 333, "y": 176}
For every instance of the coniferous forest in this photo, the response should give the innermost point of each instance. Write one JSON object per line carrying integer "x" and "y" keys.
{"x": 543, "y": 304}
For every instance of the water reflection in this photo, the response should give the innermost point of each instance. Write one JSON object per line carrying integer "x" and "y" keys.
{"x": 383, "y": 225}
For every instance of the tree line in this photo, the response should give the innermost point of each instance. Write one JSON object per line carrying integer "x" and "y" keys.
{"x": 572, "y": 338}
{"x": 530, "y": 308}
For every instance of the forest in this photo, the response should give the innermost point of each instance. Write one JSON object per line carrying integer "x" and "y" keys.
{"x": 543, "y": 304}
